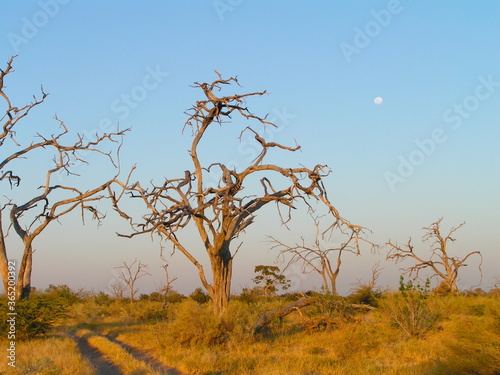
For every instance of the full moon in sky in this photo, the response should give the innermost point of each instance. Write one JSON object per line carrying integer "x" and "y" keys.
{"x": 378, "y": 100}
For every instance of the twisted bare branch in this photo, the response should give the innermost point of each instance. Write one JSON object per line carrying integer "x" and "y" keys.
{"x": 440, "y": 262}
{"x": 220, "y": 211}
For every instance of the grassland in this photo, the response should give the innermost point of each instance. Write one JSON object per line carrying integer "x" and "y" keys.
{"x": 407, "y": 333}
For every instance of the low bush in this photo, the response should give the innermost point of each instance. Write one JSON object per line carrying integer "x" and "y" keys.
{"x": 250, "y": 295}
{"x": 102, "y": 299}
{"x": 174, "y": 297}
{"x": 409, "y": 309}
{"x": 35, "y": 317}
{"x": 365, "y": 295}
{"x": 196, "y": 324}
{"x": 65, "y": 294}
{"x": 199, "y": 296}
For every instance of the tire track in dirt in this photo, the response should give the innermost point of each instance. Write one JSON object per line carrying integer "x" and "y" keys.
{"x": 145, "y": 357}
{"x": 95, "y": 357}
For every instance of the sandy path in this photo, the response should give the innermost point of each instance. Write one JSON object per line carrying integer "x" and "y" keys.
{"x": 145, "y": 357}
{"x": 94, "y": 356}
{"x": 105, "y": 367}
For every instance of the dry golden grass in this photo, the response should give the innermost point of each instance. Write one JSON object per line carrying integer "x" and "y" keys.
{"x": 115, "y": 354}
{"x": 462, "y": 337}
{"x": 50, "y": 356}
{"x": 464, "y": 340}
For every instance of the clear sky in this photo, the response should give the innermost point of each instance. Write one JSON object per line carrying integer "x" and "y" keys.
{"x": 429, "y": 150}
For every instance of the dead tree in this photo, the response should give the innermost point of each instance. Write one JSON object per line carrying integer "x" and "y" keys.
{"x": 118, "y": 289}
{"x": 129, "y": 276}
{"x": 442, "y": 264}
{"x": 52, "y": 201}
{"x": 221, "y": 211}
{"x": 166, "y": 287}
{"x": 326, "y": 261}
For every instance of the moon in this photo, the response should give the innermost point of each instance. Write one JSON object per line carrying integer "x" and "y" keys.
{"x": 378, "y": 100}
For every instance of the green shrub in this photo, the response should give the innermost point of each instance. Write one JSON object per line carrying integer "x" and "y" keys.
{"x": 35, "y": 317}
{"x": 65, "y": 294}
{"x": 250, "y": 295}
{"x": 88, "y": 311}
{"x": 292, "y": 296}
{"x": 199, "y": 296}
{"x": 409, "y": 309}
{"x": 155, "y": 296}
{"x": 174, "y": 297}
{"x": 139, "y": 311}
{"x": 102, "y": 299}
{"x": 365, "y": 295}
{"x": 196, "y": 324}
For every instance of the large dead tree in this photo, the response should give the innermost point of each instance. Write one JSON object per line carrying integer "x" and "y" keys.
{"x": 221, "y": 211}
{"x": 317, "y": 257}
{"x": 51, "y": 201}
{"x": 442, "y": 264}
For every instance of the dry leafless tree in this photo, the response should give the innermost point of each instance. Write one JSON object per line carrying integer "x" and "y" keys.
{"x": 442, "y": 264}
{"x": 52, "y": 201}
{"x": 118, "y": 289}
{"x": 165, "y": 288}
{"x": 129, "y": 276}
{"x": 317, "y": 257}
{"x": 221, "y": 211}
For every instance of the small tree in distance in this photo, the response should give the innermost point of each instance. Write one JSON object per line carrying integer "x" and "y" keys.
{"x": 165, "y": 288}
{"x": 443, "y": 265}
{"x": 130, "y": 276}
{"x": 118, "y": 289}
{"x": 271, "y": 279}
{"x": 319, "y": 256}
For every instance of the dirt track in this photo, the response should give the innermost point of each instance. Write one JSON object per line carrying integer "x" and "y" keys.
{"x": 106, "y": 367}
{"x": 94, "y": 356}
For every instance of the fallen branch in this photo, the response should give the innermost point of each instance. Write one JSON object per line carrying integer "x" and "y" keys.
{"x": 261, "y": 324}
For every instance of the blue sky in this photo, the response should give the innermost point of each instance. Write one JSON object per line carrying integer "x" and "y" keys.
{"x": 430, "y": 150}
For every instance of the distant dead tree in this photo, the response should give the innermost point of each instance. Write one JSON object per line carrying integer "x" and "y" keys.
{"x": 52, "y": 200}
{"x": 220, "y": 212}
{"x": 129, "y": 276}
{"x": 376, "y": 272}
{"x": 166, "y": 286}
{"x": 442, "y": 264}
{"x": 118, "y": 289}
{"x": 317, "y": 257}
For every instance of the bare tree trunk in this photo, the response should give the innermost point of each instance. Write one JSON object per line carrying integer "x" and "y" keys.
{"x": 4, "y": 272}
{"x": 333, "y": 282}
{"x": 222, "y": 268}
{"x": 24, "y": 274}
{"x": 323, "y": 271}
{"x": 333, "y": 274}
